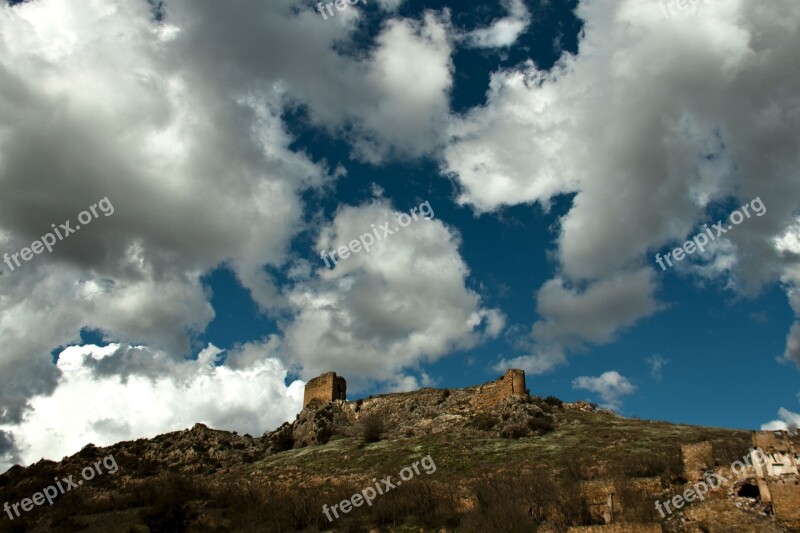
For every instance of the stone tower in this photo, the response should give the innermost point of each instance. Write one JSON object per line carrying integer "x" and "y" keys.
{"x": 511, "y": 384}
{"x": 326, "y": 387}
{"x": 517, "y": 379}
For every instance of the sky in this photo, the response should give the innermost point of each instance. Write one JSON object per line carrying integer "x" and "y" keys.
{"x": 205, "y": 204}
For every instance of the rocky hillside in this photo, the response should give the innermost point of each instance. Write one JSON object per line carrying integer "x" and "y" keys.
{"x": 524, "y": 464}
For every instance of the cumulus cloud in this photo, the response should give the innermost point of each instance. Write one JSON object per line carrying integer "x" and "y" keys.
{"x": 788, "y": 246}
{"x": 388, "y": 100}
{"x": 787, "y": 420}
{"x": 177, "y": 119}
{"x": 575, "y": 317}
{"x": 122, "y": 392}
{"x": 502, "y": 32}
{"x": 381, "y": 312}
{"x": 611, "y": 386}
{"x": 390, "y": 5}
{"x": 118, "y": 114}
{"x": 702, "y": 134}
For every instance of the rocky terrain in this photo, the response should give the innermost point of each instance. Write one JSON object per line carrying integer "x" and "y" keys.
{"x": 524, "y": 464}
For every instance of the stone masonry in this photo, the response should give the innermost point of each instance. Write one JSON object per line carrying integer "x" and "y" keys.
{"x": 327, "y": 387}
{"x": 778, "y": 479}
{"x": 489, "y": 394}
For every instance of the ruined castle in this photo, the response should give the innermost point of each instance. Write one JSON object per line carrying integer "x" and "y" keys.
{"x": 329, "y": 387}
{"x": 774, "y": 463}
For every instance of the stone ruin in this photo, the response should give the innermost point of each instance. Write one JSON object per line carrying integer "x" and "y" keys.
{"x": 489, "y": 394}
{"x": 779, "y": 477}
{"x": 329, "y": 387}
{"x": 326, "y": 388}
{"x": 605, "y": 505}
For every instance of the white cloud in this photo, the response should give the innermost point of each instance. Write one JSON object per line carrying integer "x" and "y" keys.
{"x": 611, "y": 386}
{"x": 643, "y": 180}
{"x": 505, "y": 31}
{"x": 574, "y": 317}
{"x": 179, "y": 123}
{"x": 118, "y": 393}
{"x": 788, "y": 246}
{"x": 389, "y": 99}
{"x": 788, "y": 420}
{"x": 389, "y": 5}
{"x": 380, "y": 312}
{"x": 198, "y": 170}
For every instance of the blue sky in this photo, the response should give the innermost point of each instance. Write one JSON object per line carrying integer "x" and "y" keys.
{"x": 560, "y": 146}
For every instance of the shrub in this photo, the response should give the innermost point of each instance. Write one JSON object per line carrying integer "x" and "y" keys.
{"x": 541, "y": 425}
{"x": 283, "y": 439}
{"x": 648, "y": 465}
{"x": 555, "y": 402}
{"x": 523, "y": 501}
{"x": 445, "y": 395}
{"x": 484, "y": 422}
{"x": 514, "y": 432}
{"x": 372, "y": 428}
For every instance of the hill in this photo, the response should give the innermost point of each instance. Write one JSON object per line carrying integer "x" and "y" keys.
{"x": 472, "y": 459}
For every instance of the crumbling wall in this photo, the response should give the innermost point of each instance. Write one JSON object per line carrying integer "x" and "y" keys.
{"x": 326, "y": 387}
{"x": 604, "y": 497}
{"x": 778, "y": 479}
{"x": 601, "y": 499}
{"x": 697, "y": 459}
{"x": 511, "y": 384}
{"x": 785, "y": 494}
{"x": 774, "y": 441}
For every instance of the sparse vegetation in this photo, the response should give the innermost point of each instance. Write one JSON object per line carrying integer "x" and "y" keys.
{"x": 484, "y": 421}
{"x": 555, "y": 402}
{"x": 372, "y": 428}
{"x": 541, "y": 425}
{"x": 520, "y": 464}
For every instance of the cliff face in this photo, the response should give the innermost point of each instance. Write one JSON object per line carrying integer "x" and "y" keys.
{"x": 517, "y": 463}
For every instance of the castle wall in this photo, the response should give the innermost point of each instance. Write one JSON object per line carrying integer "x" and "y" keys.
{"x": 785, "y": 494}
{"x": 326, "y": 388}
{"x": 489, "y": 394}
{"x": 603, "y": 499}
{"x": 778, "y": 480}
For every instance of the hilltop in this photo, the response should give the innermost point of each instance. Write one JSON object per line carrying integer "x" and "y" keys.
{"x": 487, "y": 458}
